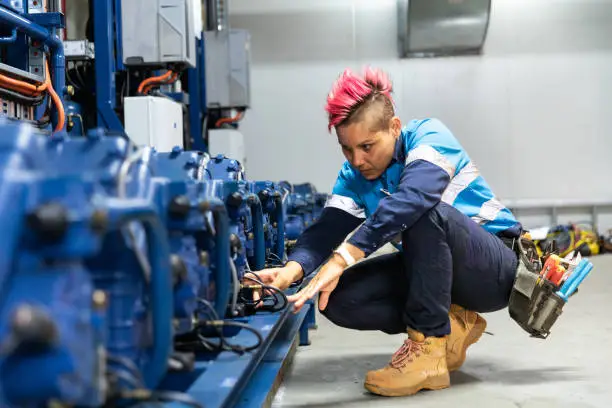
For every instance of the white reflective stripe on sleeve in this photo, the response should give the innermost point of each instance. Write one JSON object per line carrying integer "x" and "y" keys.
{"x": 489, "y": 211}
{"x": 345, "y": 204}
{"x": 466, "y": 176}
{"x": 428, "y": 153}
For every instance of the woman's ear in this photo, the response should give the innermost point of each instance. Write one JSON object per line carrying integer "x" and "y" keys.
{"x": 396, "y": 126}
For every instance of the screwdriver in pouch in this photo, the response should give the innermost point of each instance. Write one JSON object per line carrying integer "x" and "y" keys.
{"x": 575, "y": 279}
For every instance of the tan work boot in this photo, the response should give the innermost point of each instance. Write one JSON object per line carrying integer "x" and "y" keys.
{"x": 419, "y": 364}
{"x": 466, "y": 329}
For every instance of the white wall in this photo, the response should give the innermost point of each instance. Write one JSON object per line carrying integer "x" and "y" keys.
{"x": 536, "y": 107}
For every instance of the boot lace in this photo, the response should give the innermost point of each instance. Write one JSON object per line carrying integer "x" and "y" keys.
{"x": 405, "y": 354}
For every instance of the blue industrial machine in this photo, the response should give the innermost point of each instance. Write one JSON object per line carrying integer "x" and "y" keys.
{"x": 304, "y": 206}
{"x": 125, "y": 244}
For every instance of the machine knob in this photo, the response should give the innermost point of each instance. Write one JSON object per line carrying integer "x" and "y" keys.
{"x": 234, "y": 200}
{"x": 33, "y": 329}
{"x": 278, "y": 197}
{"x": 233, "y": 166}
{"x": 264, "y": 195}
{"x": 178, "y": 268}
{"x": 99, "y": 221}
{"x": 179, "y": 206}
{"x": 50, "y": 221}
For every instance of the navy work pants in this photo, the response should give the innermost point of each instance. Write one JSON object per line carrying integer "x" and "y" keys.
{"x": 446, "y": 258}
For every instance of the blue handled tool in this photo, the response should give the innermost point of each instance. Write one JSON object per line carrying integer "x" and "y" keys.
{"x": 575, "y": 279}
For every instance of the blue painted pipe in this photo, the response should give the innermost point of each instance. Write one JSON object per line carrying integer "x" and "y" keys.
{"x": 222, "y": 254}
{"x": 121, "y": 212}
{"x": 49, "y": 38}
{"x": 258, "y": 231}
{"x": 28, "y": 27}
{"x": 59, "y": 71}
{"x": 11, "y": 39}
{"x": 280, "y": 227}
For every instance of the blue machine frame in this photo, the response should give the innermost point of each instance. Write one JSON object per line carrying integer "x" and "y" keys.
{"x": 218, "y": 379}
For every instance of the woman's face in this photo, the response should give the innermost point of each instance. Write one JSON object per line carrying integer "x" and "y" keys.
{"x": 369, "y": 151}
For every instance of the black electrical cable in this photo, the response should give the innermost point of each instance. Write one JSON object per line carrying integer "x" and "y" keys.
{"x": 140, "y": 393}
{"x": 261, "y": 301}
{"x": 117, "y": 374}
{"x": 210, "y": 309}
{"x": 218, "y": 325}
{"x": 128, "y": 364}
{"x": 69, "y": 78}
{"x": 173, "y": 396}
{"x": 274, "y": 260}
{"x": 144, "y": 395}
{"x": 227, "y": 346}
{"x": 79, "y": 77}
{"x": 23, "y": 99}
{"x": 46, "y": 118}
{"x": 269, "y": 288}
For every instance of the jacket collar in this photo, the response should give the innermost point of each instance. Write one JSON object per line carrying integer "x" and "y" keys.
{"x": 399, "y": 154}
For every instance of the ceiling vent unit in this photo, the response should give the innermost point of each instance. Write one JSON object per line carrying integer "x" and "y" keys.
{"x": 432, "y": 28}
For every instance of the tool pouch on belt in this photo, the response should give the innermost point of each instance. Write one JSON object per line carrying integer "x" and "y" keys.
{"x": 533, "y": 304}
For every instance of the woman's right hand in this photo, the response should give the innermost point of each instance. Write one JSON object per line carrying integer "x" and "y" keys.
{"x": 280, "y": 278}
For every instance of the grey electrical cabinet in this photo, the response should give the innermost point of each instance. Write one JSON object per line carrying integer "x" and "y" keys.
{"x": 228, "y": 77}
{"x": 158, "y": 32}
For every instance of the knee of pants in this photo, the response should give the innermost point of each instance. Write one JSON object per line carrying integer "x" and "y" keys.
{"x": 337, "y": 312}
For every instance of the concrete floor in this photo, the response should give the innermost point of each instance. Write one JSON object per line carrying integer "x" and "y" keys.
{"x": 505, "y": 369}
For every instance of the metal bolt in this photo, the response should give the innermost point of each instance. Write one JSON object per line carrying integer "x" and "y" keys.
{"x": 204, "y": 206}
{"x": 235, "y": 243}
{"x": 99, "y": 299}
{"x": 178, "y": 269}
{"x": 99, "y": 221}
{"x": 204, "y": 258}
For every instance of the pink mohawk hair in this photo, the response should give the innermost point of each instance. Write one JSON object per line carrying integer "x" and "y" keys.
{"x": 350, "y": 91}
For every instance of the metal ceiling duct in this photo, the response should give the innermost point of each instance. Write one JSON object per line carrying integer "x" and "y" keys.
{"x": 431, "y": 28}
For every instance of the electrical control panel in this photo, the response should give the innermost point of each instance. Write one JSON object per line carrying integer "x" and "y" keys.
{"x": 158, "y": 32}
{"x": 228, "y": 60}
{"x": 154, "y": 121}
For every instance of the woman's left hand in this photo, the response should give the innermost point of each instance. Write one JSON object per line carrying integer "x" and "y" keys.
{"x": 325, "y": 281}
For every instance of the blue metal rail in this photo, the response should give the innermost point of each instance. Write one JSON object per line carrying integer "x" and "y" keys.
{"x": 226, "y": 379}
